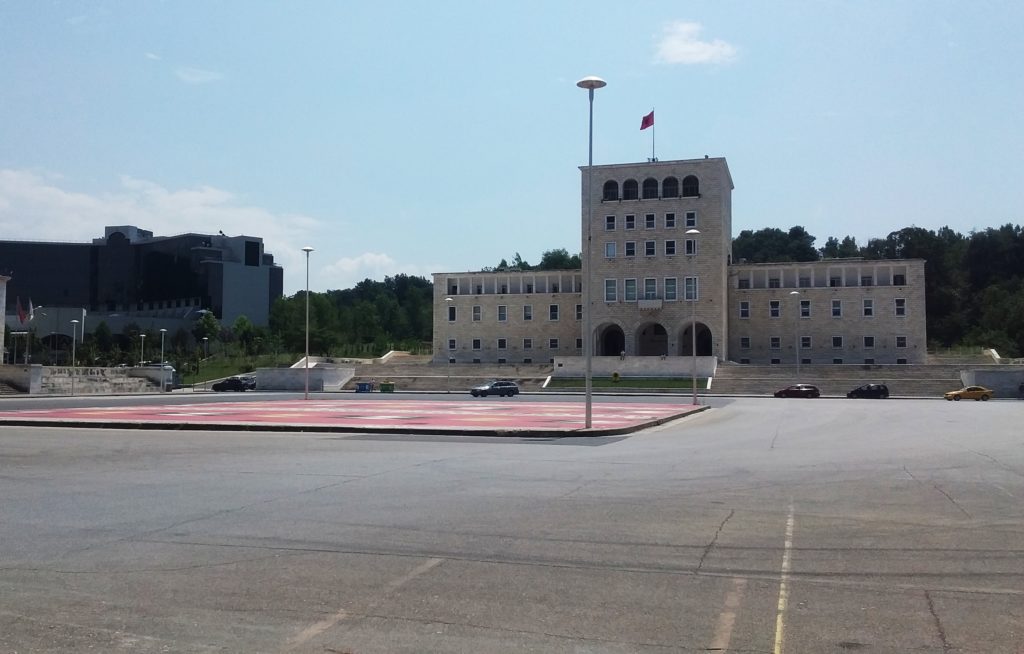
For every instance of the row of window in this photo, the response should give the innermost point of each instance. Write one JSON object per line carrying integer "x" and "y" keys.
{"x": 650, "y": 221}
{"x": 502, "y": 313}
{"x": 611, "y": 248}
{"x": 834, "y": 281}
{"x": 631, "y": 291}
{"x": 867, "y": 308}
{"x": 651, "y": 189}
{"x": 870, "y": 361}
{"x": 868, "y": 342}
{"x": 502, "y": 344}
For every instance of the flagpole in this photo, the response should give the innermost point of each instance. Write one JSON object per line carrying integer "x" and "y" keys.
{"x": 653, "y": 127}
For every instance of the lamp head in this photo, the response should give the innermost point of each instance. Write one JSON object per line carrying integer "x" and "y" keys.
{"x": 591, "y": 83}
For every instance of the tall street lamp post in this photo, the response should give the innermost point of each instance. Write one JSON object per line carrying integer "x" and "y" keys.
{"x": 163, "y": 369}
{"x": 796, "y": 331}
{"x": 142, "y": 348}
{"x": 693, "y": 320}
{"x": 447, "y": 351}
{"x": 590, "y": 83}
{"x": 206, "y": 354}
{"x": 74, "y": 342}
{"x": 307, "y": 250}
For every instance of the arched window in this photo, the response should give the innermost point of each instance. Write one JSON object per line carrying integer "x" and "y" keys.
{"x": 611, "y": 190}
{"x": 691, "y": 187}
{"x": 650, "y": 189}
{"x": 670, "y": 188}
{"x": 630, "y": 190}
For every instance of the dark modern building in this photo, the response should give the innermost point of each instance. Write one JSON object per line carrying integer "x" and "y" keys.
{"x": 129, "y": 271}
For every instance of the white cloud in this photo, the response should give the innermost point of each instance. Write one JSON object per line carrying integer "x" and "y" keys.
{"x": 197, "y": 75}
{"x": 35, "y": 207}
{"x": 346, "y": 272}
{"x": 680, "y": 44}
{"x": 153, "y": 56}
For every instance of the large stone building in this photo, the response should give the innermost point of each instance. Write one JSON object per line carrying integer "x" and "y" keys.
{"x": 657, "y": 256}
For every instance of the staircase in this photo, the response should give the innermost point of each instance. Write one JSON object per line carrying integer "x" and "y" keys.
{"x": 7, "y": 389}
{"x": 902, "y": 380}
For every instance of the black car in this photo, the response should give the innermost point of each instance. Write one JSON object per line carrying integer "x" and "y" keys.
{"x": 250, "y": 381}
{"x": 799, "y": 390}
{"x": 873, "y": 391}
{"x": 497, "y": 387}
{"x": 231, "y": 384}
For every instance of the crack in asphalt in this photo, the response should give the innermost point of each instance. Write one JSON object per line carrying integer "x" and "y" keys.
{"x": 941, "y": 490}
{"x": 714, "y": 540}
{"x": 999, "y": 463}
{"x": 950, "y": 498}
{"x": 946, "y": 647}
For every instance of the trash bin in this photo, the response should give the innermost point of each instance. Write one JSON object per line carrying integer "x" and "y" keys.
{"x": 363, "y": 387}
{"x": 387, "y": 387}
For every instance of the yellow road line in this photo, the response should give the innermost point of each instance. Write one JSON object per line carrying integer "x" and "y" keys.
{"x": 783, "y": 585}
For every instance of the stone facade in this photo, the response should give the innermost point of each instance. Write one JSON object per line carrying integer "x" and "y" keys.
{"x": 507, "y": 317}
{"x": 657, "y": 251}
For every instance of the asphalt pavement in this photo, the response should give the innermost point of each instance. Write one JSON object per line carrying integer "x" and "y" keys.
{"x": 759, "y": 525}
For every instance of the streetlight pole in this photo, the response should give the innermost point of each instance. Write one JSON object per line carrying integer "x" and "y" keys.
{"x": 142, "y": 349}
{"x": 693, "y": 320}
{"x": 447, "y": 352}
{"x": 796, "y": 332}
{"x": 74, "y": 342}
{"x": 590, "y": 83}
{"x": 206, "y": 354}
{"x": 163, "y": 369}
{"x": 307, "y": 250}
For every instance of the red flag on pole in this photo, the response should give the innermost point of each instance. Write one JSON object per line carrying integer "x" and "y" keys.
{"x": 647, "y": 121}
{"x": 21, "y": 312}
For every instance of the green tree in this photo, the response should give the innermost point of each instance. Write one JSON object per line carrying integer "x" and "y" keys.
{"x": 103, "y": 337}
{"x": 771, "y": 244}
{"x": 245, "y": 332}
{"x": 559, "y": 259}
{"x": 206, "y": 327}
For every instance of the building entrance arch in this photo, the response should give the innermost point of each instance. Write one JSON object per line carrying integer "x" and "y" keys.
{"x": 611, "y": 341}
{"x": 704, "y": 341}
{"x": 651, "y": 340}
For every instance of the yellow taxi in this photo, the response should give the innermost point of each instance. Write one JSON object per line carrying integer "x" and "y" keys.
{"x": 970, "y": 393}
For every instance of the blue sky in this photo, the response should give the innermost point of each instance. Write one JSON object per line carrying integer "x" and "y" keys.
{"x": 408, "y": 137}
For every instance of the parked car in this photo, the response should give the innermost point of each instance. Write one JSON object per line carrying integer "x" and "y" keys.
{"x": 970, "y": 393}
{"x": 799, "y": 390}
{"x": 231, "y": 384}
{"x": 874, "y": 391}
{"x": 250, "y": 381}
{"x": 496, "y": 387}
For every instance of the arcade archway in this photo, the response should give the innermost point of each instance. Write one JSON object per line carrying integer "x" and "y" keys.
{"x": 611, "y": 341}
{"x": 704, "y": 341}
{"x": 651, "y": 340}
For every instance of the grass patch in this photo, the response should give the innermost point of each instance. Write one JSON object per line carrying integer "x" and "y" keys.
{"x": 218, "y": 366}
{"x": 628, "y": 382}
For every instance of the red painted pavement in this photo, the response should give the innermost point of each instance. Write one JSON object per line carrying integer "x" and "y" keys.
{"x": 376, "y": 415}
